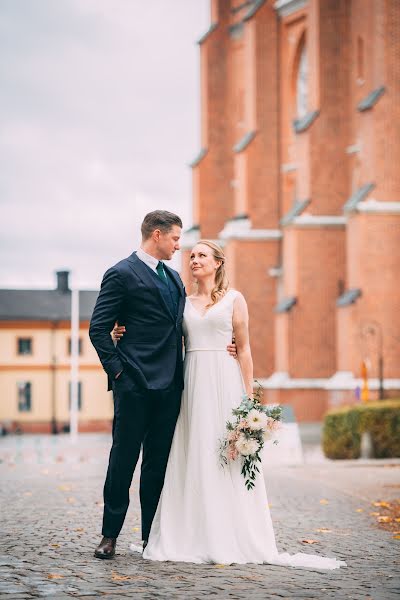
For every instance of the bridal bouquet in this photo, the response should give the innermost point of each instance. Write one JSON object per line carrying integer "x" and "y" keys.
{"x": 245, "y": 437}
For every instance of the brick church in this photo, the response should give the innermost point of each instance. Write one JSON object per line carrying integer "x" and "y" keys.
{"x": 298, "y": 177}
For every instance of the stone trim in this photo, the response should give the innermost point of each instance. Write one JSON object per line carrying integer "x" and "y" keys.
{"x": 237, "y": 223}
{"x": 209, "y": 31}
{"x": 342, "y": 380}
{"x": 245, "y": 4}
{"x": 257, "y": 4}
{"x": 236, "y": 30}
{"x": 244, "y": 141}
{"x": 288, "y": 7}
{"x": 295, "y": 211}
{"x": 241, "y": 230}
{"x": 359, "y": 195}
{"x": 353, "y": 149}
{"x": 345, "y": 380}
{"x": 286, "y": 304}
{"x": 373, "y": 206}
{"x": 288, "y": 167}
{"x": 300, "y": 125}
{"x": 349, "y": 297}
{"x": 319, "y": 221}
{"x": 190, "y": 237}
{"x": 275, "y": 271}
{"x": 371, "y": 99}
{"x": 198, "y": 158}
{"x": 282, "y": 380}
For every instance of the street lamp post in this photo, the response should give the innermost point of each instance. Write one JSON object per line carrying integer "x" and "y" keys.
{"x": 73, "y": 415}
{"x": 372, "y": 336}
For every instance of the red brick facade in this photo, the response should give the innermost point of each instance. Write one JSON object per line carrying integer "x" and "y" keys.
{"x": 298, "y": 178}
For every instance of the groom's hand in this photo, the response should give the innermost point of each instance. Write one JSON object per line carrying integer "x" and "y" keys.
{"x": 118, "y": 332}
{"x": 232, "y": 349}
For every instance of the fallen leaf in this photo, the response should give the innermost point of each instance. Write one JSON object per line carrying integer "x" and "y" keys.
{"x": 359, "y": 510}
{"x": 385, "y": 519}
{"x": 310, "y": 541}
{"x": 324, "y": 501}
{"x": 135, "y": 528}
{"x": 397, "y": 519}
{"x": 54, "y": 576}
{"x": 324, "y": 530}
{"x": 116, "y": 577}
{"x": 374, "y": 514}
{"x": 79, "y": 529}
{"x": 396, "y": 537}
{"x": 384, "y": 504}
{"x": 219, "y": 566}
{"x": 55, "y": 545}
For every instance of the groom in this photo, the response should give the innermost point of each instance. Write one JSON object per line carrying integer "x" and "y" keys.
{"x": 145, "y": 369}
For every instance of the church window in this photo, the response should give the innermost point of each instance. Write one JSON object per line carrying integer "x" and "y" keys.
{"x": 302, "y": 85}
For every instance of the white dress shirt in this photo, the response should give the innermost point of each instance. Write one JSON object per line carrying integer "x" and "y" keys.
{"x": 149, "y": 260}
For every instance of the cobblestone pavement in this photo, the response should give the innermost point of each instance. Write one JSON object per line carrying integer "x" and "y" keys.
{"x": 51, "y": 508}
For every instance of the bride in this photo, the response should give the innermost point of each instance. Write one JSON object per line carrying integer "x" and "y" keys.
{"x": 205, "y": 513}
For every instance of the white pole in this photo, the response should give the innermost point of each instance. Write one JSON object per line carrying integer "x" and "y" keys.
{"x": 73, "y": 414}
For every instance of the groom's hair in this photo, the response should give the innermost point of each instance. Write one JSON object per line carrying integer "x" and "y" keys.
{"x": 159, "y": 219}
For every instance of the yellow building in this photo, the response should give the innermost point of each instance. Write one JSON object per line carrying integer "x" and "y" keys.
{"x": 35, "y": 339}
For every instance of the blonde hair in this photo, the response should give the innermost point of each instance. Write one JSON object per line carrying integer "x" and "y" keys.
{"x": 221, "y": 279}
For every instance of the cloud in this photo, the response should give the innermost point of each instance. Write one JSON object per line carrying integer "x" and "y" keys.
{"x": 99, "y": 116}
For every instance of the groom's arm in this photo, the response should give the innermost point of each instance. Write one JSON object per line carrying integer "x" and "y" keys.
{"x": 105, "y": 314}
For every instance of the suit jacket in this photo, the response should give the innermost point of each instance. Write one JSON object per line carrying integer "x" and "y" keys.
{"x": 151, "y": 348}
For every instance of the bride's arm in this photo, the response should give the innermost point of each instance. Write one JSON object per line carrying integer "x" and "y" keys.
{"x": 241, "y": 331}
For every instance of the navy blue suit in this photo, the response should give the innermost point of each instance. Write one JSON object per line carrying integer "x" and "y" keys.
{"x": 147, "y": 394}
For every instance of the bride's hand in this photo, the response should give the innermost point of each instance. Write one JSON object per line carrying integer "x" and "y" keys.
{"x": 232, "y": 349}
{"x": 118, "y": 332}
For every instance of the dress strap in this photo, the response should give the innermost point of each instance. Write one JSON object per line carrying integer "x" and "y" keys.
{"x": 233, "y": 293}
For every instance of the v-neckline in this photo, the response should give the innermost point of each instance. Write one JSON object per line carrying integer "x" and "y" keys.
{"x": 202, "y": 316}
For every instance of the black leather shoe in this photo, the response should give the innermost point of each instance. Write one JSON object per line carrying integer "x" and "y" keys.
{"x": 106, "y": 548}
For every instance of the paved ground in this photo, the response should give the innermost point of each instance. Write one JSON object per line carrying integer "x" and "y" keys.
{"x": 51, "y": 509}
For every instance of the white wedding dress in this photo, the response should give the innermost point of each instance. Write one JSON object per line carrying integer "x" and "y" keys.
{"x": 205, "y": 513}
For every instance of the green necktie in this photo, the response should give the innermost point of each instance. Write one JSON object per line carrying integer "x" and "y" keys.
{"x": 161, "y": 272}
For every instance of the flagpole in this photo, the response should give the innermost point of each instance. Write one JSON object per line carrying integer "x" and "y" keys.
{"x": 74, "y": 374}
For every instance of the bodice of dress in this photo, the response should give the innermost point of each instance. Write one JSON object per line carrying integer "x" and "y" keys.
{"x": 211, "y": 331}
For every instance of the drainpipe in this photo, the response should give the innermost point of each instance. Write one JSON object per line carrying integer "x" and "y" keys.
{"x": 53, "y": 372}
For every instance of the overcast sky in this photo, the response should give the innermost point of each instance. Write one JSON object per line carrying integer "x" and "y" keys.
{"x": 99, "y": 118}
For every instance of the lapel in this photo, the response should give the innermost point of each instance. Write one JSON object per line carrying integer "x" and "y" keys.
{"x": 174, "y": 275}
{"x": 143, "y": 272}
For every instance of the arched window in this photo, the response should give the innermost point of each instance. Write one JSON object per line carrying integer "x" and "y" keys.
{"x": 302, "y": 84}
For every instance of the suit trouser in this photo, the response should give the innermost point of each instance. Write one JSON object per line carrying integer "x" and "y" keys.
{"x": 141, "y": 418}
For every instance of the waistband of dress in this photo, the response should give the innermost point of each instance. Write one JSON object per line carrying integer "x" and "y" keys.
{"x": 206, "y": 350}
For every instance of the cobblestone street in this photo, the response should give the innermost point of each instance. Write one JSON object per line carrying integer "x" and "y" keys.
{"x": 51, "y": 507}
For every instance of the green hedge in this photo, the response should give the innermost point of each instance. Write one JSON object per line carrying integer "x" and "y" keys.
{"x": 343, "y": 427}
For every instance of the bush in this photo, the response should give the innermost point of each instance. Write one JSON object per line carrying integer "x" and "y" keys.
{"x": 343, "y": 429}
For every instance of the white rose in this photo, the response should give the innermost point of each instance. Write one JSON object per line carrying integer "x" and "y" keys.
{"x": 246, "y": 447}
{"x": 257, "y": 420}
